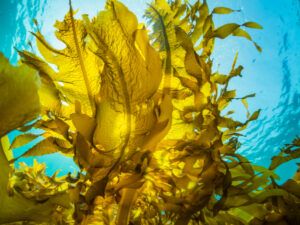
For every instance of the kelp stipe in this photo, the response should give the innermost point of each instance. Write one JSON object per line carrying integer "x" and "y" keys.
{"x": 142, "y": 117}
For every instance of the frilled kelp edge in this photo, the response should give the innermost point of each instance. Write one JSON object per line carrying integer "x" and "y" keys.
{"x": 144, "y": 119}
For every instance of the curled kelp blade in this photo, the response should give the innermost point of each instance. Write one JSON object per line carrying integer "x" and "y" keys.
{"x": 131, "y": 76}
{"x": 19, "y": 101}
{"x": 77, "y": 77}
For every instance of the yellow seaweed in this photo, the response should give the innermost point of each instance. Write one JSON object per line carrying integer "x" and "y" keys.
{"x": 142, "y": 117}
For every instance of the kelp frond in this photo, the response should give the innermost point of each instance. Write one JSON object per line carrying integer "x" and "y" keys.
{"x": 143, "y": 118}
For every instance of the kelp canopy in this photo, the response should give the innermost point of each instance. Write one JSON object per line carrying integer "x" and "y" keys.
{"x": 144, "y": 118}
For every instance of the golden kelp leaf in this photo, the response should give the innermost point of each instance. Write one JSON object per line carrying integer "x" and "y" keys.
{"x": 161, "y": 14}
{"x": 199, "y": 26}
{"x": 225, "y": 30}
{"x": 225, "y": 98}
{"x": 74, "y": 80}
{"x": 166, "y": 24}
{"x": 56, "y": 125}
{"x": 257, "y": 47}
{"x": 291, "y": 186}
{"x": 249, "y": 96}
{"x": 253, "y": 25}
{"x": 5, "y": 146}
{"x": 19, "y": 101}
{"x": 33, "y": 183}
{"x": 242, "y": 33}
{"x": 229, "y": 123}
{"x": 23, "y": 139}
{"x": 284, "y": 157}
{"x": 254, "y": 115}
{"x": 48, "y": 142}
{"x": 219, "y": 78}
{"x": 248, "y": 212}
{"x": 265, "y": 194}
{"x": 4, "y": 165}
{"x": 42, "y": 202}
{"x": 237, "y": 200}
{"x": 222, "y": 10}
{"x": 223, "y": 218}
{"x": 50, "y": 97}
{"x": 245, "y": 164}
{"x": 128, "y": 193}
{"x": 84, "y": 124}
{"x": 111, "y": 126}
{"x": 46, "y": 146}
{"x": 161, "y": 128}
{"x": 245, "y": 103}
{"x": 82, "y": 151}
{"x": 256, "y": 182}
{"x": 191, "y": 61}
{"x": 131, "y": 76}
{"x": 234, "y": 29}
{"x": 135, "y": 44}
{"x": 265, "y": 171}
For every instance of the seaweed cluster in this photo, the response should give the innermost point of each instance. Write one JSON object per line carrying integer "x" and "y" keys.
{"x": 144, "y": 117}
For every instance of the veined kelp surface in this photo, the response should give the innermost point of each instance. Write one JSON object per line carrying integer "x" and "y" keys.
{"x": 142, "y": 117}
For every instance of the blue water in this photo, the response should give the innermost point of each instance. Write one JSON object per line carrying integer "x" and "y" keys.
{"x": 274, "y": 74}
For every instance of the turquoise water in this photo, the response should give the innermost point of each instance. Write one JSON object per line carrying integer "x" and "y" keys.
{"x": 274, "y": 74}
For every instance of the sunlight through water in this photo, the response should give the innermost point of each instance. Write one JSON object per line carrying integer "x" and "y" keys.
{"x": 274, "y": 74}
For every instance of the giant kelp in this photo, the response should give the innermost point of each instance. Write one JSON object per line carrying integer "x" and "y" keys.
{"x": 143, "y": 117}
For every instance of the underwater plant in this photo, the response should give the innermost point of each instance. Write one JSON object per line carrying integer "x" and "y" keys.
{"x": 144, "y": 119}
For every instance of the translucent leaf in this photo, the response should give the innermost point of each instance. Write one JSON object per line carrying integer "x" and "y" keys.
{"x": 74, "y": 80}
{"x": 46, "y": 146}
{"x": 84, "y": 124}
{"x": 242, "y": 33}
{"x": 282, "y": 158}
{"x": 264, "y": 195}
{"x": 254, "y": 115}
{"x": 19, "y": 102}
{"x": 225, "y": 30}
{"x": 253, "y": 25}
{"x": 222, "y": 10}
{"x": 23, "y": 140}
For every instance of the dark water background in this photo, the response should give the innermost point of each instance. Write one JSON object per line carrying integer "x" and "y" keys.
{"x": 274, "y": 74}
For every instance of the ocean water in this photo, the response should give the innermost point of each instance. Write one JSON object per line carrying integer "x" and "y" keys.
{"x": 274, "y": 74}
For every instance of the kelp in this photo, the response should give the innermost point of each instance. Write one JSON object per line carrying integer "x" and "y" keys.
{"x": 29, "y": 195}
{"x": 18, "y": 85}
{"x": 143, "y": 118}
